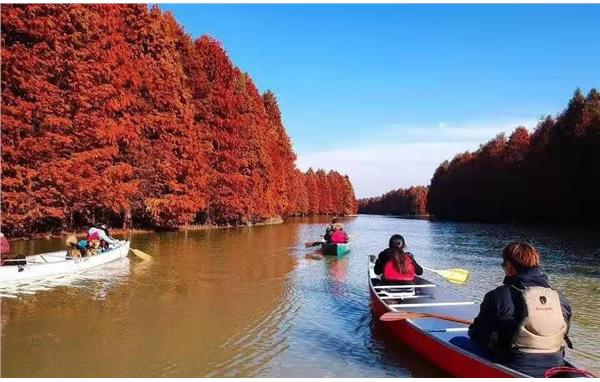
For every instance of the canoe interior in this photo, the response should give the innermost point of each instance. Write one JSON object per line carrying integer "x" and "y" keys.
{"x": 424, "y": 296}
{"x": 432, "y": 336}
{"x": 52, "y": 257}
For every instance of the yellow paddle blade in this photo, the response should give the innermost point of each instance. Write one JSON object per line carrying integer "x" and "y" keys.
{"x": 457, "y": 275}
{"x": 142, "y": 255}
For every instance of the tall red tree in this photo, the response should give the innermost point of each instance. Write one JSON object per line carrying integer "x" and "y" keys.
{"x": 113, "y": 113}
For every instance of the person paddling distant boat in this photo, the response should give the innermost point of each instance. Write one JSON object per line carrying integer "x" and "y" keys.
{"x": 334, "y": 234}
{"x": 395, "y": 265}
{"x": 101, "y": 232}
{"x": 329, "y": 230}
{"x": 337, "y": 235}
{"x": 4, "y": 248}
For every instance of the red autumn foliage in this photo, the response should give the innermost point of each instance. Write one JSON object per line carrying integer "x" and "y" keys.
{"x": 550, "y": 175}
{"x": 113, "y": 113}
{"x": 410, "y": 201}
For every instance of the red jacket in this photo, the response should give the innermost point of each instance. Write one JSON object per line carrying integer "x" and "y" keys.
{"x": 339, "y": 237}
{"x": 392, "y": 273}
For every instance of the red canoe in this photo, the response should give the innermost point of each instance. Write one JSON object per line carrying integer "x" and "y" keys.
{"x": 430, "y": 337}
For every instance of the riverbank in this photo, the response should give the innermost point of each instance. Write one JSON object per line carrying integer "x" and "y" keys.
{"x": 418, "y": 217}
{"x": 130, "y": 231}
{"x": 403, "y": 216}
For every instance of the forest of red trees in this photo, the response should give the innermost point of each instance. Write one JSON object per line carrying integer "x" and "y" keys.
{"x": 113, "y": 113}
{"x": 552, "y": 174}
{"x": 410, "y": 201}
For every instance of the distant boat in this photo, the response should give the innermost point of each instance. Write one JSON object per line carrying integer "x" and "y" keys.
{"x": 331, "y": 249}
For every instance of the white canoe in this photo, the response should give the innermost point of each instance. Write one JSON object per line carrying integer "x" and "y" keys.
{"x": 56, "y": 263}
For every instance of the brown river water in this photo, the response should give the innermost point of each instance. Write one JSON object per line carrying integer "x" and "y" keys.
{"x": 247, "y": 302}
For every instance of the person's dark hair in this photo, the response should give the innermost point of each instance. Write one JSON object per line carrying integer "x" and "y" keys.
{"x": 522, "y": 255}
{"x": 334, "y": 220}
{"x": 397, "y": 244}
{"x": 397, "y": 241}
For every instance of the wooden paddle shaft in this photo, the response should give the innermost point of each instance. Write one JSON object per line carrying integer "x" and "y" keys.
{"x": 141, "y": 254}
{"x": 312, "y": 244}
{"x": 399, "y": 316}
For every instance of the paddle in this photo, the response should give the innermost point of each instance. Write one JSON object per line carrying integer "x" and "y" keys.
{"x": 142, "y": 255}
{"x": 314, "y": 256}
{"x": 401, "y": 316}
{"x": 456, "y": 275}
{"x": 313, "y": 243}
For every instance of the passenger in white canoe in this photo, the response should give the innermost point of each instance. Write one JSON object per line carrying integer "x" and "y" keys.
{"x": 101, "y": 230}
{"x": 97, "y": 240}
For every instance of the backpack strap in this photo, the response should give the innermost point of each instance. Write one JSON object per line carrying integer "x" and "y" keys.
{"x": 516, "y": 287}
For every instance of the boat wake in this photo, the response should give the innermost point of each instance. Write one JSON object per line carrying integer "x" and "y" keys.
{"x": 97, "y": 280}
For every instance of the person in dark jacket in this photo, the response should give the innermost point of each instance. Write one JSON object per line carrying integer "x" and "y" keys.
{"x": 329, "y": 230}
{"x": 395, "y": 265}
{"x": 505, "y": 329}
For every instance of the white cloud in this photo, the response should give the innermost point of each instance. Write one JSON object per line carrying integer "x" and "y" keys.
{"x": 401, "y": 156}
{"x": 447, "y": 132}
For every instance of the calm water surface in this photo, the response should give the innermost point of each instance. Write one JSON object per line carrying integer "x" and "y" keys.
{"x": 246, "y": 302}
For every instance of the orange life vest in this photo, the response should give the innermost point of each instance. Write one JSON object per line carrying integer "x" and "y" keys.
{"x": 391, "y": 272}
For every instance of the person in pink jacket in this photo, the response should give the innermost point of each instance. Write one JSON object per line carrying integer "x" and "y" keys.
{"x": 4, "y": 248}
{"x": 338, "y": 235}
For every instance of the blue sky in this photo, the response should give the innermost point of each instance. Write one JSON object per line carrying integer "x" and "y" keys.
{"x": 385, "y": 93}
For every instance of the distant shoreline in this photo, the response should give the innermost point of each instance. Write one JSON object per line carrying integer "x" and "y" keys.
{"x": 551, "y": 222}
{"x": 403, "y": 216}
